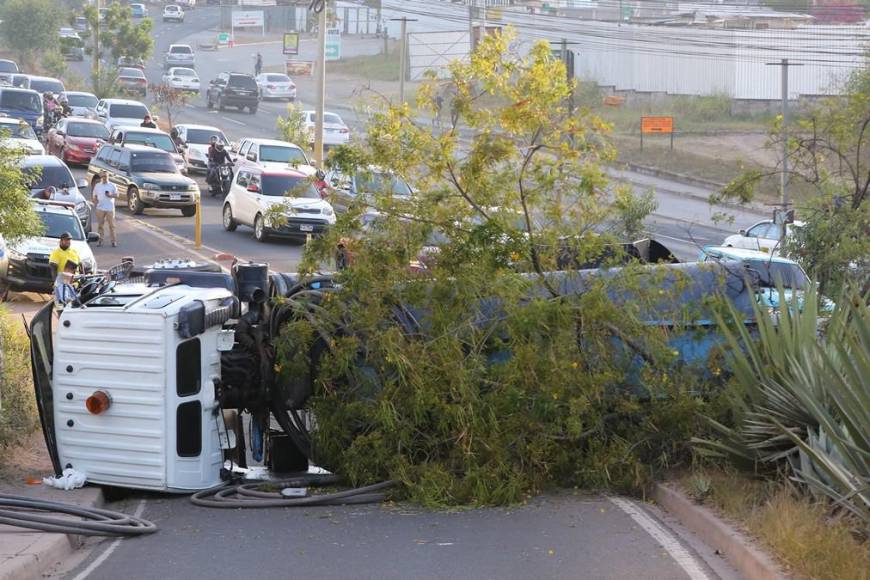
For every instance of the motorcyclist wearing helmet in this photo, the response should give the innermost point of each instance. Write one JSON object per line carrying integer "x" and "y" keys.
{"x": 63, "y": 105}
{"x": 217, "y": 156}
{"x": 49, "y": 105}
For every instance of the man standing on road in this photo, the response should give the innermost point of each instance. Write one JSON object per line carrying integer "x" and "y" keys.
{"x": 148, "y": 122}
{"x": 258, "y": 66}
{"x": 105, "y": 194}
{"x": 62, "y": 254}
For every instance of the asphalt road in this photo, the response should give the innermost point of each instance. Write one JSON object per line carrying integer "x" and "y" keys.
{"x": 558, "y": 535}
{"x": 682, "y": 221}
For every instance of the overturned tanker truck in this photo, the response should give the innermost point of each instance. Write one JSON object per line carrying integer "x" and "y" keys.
{"x": 147, "y": 381}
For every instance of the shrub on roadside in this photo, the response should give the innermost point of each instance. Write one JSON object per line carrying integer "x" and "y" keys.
{"x": 18, "y": 416}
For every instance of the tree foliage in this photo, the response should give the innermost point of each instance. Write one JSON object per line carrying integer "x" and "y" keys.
{"x": 829, "y": 150}
{"x": 17, "y": 218}
{"x": 30, "y": 27}
{"x": 119, "y": 34}
{"x": 479, "y": 379}
{"x": 292, "y": 127}
{"x": 169, "y": 99}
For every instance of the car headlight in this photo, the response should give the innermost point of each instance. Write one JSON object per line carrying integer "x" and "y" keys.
{"x": 327, "y": 211}
{"x": 192, "y": 187}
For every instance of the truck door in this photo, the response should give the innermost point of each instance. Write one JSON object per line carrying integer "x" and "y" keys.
{"x": 42, "y": 359}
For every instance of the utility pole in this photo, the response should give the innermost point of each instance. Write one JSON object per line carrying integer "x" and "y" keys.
{"x": 321, "y": 86}
{"x": 403, "y": 56}
{"x": 96, "y": 56}
{"x": 783, "y": 177}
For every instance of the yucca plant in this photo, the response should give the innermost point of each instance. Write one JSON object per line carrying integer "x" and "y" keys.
{"x": 800, "y": 398}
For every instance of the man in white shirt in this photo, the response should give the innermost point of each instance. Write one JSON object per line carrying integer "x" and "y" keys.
{"x": 105, "y": 194}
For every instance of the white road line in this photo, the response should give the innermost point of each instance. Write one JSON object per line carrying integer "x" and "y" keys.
{"x": 663, "y": 537}
{"x": 140, "y": 509}
{"x": 233, "y": 121}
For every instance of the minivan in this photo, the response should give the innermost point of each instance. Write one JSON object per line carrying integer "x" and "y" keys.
{"x": 22, "y": 104}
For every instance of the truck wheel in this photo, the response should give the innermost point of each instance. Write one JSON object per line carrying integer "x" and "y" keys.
{"x": 4, "y": 291}
{"x": 188, "y": 211}
{"x": 253, "y": 110}
{"x": 230, "y": 224}
{"x": 221, "y": 105}
{"x": 208, "y": 103}
{"x": 134, "y": 204}
{"x": 260, "y": 229}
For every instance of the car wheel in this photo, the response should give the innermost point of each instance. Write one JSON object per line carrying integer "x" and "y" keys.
{"x": 134, "y": 204}
{"x": 221, "y": 105}
{"x": 260, "y": 229}
{"x": 188, "y": 211}
{"x": 230, "y": 224}
{"x": 253, "y": 110}
{"x": 208, "y": 103}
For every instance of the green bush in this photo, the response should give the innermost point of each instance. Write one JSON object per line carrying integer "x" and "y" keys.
{"x": 18, "y": 415}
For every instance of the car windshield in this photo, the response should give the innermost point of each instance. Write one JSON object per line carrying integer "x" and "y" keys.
{"x": 328, "y": 118}
{"x": 145, "y": 162}
{"x": 277, "y": 78}
{"x": 94, "y": 130}
{"x": 379, "y": 182}
{"x": 19, "y": 81}
{"x": 58, "y": 223}
{"x": 158, "y": 140}
{"x": 180, "y": 50}
{"x": 42, "y": 177}
{"x": 21, "y": 100}
{"x": 282, "y": 154}
{"x": 202, "y": 136}
{"x": 46, "y": 85}
{"x": 243, "y": 81}
{"x": 8, "y": 66}
{"x": 88, "y": 101}
{"x": 18, "y": 130}
{"x": 128, "y": 111}
{"x": 770, "y": 274}
{"x": 183, "y": 72}
{"x": 131, "y": 72}
{"x": 289, "y": 185}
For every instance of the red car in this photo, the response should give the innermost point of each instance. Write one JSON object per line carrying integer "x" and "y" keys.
{"x": 76, "y": 139}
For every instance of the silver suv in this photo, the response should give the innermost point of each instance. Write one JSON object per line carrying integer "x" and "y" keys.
{"x": 179, "y": 55}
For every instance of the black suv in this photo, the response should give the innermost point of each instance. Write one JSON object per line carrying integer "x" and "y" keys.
{"x": 233, "y": 90}
{"x": 146, "y": 177}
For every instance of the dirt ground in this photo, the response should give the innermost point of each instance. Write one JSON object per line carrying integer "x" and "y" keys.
{"x": 24, "y": 461}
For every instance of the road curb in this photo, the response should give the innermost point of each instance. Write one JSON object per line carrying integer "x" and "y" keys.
{"x": 752, "y": 562}
{"x": 47, "y": 550}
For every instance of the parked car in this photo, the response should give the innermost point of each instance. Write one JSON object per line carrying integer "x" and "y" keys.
{"x": 173, "y": 12}
{"x": 276, "y": 86}
{"x": 76, "y": 140}
{"x": 131, "y": 62}
{"x": 80, "y": 24}
{"x": 765, "y": 236}
{"x": 43, "y": 171}
{"x": 132, "y": 80}
{"x": 24, "y": 265}
{"x": 18, "y": 134}
{"x": 179, "y": 55}
{"x": 254, "y": 191}
{"x": 19, "y": 80}
{"x": 7, "y": 69}
{"x": 82, "y": 104}
{"x": 189, "y": 4}
{"x": 139, "y": 10}
{"x": 22, "y": 104}
{"x": 335, "y": 131}
{"x": 150, "y": 138}
{"x": 145, "y": 177}
{"x": 270, "y": 154}
{"x": 233, "y": 90}
{"x": 367, "y": 182}
{"x": 72, "y": 46}
{"x": 121, "y": 112}
{"x": 182, "y": 78}
{"x": 197, "y": 138}
{"x": 44, "y": 85}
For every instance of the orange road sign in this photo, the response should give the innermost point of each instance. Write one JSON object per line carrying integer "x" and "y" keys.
{"x": 656, "y": 124}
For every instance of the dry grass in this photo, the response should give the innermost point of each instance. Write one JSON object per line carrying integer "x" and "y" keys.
{"x": 17, "y": 403}
{"x": 797, "y": 529}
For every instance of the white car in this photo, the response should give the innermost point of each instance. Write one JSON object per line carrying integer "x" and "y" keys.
{"x": 182, "y": 78}
{"x": 173, "y": 12}
{"x": 24, "y": 265}
{"x": 116, "y": 113}
{"x": 276, "y": 86}
{"x": 255, "y": 191}
{"x": 82, "y": 104}
{"x": 43, "y": 171}
{"x": 765, "y": 236}
{"x": 197, "y": 138}
{"x": 190, "y": 4}
{"x": 18, "y": 134}
{"x": 179, "y": 55}
{"x": 335, "y": 132}
{"x": 271, "y": 154}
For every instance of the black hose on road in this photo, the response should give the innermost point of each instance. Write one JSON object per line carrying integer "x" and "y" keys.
{"x": 252, "y": 495}
{"x": 25, "y": 512}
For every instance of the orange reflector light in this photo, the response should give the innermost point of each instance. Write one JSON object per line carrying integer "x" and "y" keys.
{"x": 98, "y": 403}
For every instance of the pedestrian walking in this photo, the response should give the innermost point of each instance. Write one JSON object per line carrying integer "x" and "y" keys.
{"x": 258, "y": 65}
{"x": 104, "y": 196}
{"x": 439, "y": 105}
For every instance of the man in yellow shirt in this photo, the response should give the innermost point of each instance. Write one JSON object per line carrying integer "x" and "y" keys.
{"x": 58, "y": 258}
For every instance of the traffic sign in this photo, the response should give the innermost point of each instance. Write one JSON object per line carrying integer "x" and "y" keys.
{"x": 333, "y": 43}
{"x": 291, "y": 43}
{"x": 656, "y": 124}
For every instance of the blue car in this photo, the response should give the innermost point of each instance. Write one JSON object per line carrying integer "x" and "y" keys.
{"x": 139, "y": 10}
{"x": 23, "y": 104}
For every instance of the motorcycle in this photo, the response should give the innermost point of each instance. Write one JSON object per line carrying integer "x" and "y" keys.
{"x": 221, "y": 180}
